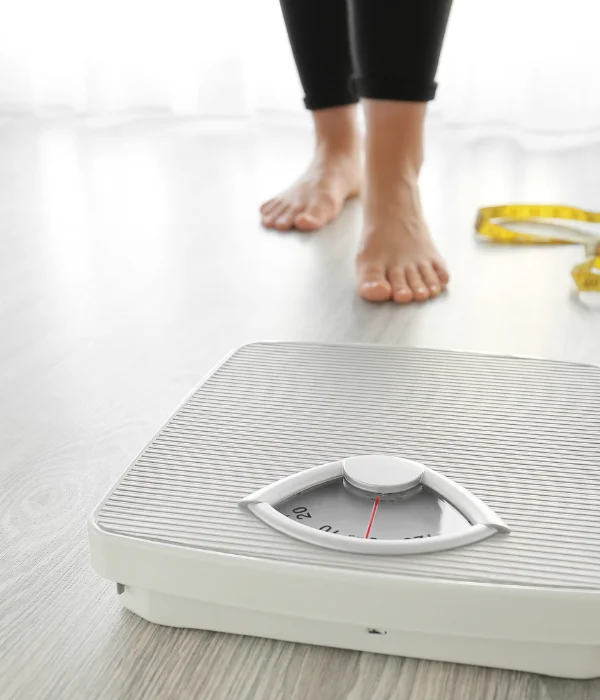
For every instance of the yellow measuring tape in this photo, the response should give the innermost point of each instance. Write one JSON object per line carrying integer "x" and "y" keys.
{"x": 587, "y": 274}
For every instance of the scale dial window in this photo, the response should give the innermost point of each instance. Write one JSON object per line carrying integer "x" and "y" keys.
{"x": 336, "y": 509}
{"x": 375, "y": 504}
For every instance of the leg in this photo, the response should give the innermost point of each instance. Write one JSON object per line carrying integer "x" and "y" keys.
{"x": 397, "y": 258}
{"x": 396, "y": 51}
{"x": 318, "y": 33}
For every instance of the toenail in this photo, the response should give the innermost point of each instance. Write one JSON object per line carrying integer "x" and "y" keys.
{"x": 370, "y": 285}
{"x": 421, "y": 290}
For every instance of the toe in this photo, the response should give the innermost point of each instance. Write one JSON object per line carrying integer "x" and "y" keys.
{"x": 285, "y": 219}
{"x": 270, "y": 218}
{"x": 373, "y": 284}
{"x": 268, "y": 206}
{"x": 305, "y": 221}
{"x": 417, "y": 285}
{"x": 401, "y": 292}
{"x": 315, "y": 215}
{"x": 441, "y": 271}
{"x": 431, "y": 279}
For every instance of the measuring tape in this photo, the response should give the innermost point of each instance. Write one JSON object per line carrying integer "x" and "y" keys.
{"x": 587, "y": 274}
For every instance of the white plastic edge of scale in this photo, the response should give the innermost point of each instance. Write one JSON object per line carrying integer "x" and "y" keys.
{"x": 484, "y": 522}
{"x": 370, "y": 599}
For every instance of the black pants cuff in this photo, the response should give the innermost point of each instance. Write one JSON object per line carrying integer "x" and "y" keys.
{"x": 386, "y": 88}
{"x": 380, "y": 88}
{"x": 334, "y": 93}
{"x": 374, "y": 88}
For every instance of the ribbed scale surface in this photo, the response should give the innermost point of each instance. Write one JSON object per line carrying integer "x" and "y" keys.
{"x": 523, "y": 435}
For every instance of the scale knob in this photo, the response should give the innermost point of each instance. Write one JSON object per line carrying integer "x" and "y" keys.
{"x": 383, "y": 474}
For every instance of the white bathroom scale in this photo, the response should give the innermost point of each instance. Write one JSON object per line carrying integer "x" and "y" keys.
{"x": 438, "y": 505}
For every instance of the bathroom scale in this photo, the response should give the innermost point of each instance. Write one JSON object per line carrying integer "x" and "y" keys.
{"x": 424, "y": 503}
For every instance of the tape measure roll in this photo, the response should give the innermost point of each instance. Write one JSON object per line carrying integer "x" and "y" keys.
{"x": 586, "y": 275}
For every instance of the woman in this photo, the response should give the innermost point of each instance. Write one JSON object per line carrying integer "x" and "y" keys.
{"x": 384, "y": 53}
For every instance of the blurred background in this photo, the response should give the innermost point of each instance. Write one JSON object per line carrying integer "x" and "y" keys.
{"x": 522, "y": 65}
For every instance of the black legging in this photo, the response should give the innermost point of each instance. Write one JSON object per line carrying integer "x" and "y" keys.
{"x": 381, "y": 49}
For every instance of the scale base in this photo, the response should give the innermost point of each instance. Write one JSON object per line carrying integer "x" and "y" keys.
{"x": 561, "y": 660}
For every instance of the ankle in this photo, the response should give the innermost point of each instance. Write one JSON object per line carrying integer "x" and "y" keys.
{"x": 337, "y": 132}
{"x": 391, "y": 192}
{"x": 394, "y": 141}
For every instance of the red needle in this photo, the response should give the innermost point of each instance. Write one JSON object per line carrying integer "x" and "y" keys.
{"x": 373, "y": 512}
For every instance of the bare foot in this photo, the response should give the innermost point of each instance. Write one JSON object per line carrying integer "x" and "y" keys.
{"x": 397, "y": 259}
{"x": 334, "y": 176}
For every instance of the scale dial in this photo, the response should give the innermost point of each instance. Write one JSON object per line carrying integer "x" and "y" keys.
{"x": 336, "y": 509}
{"x": 374, "y": 504}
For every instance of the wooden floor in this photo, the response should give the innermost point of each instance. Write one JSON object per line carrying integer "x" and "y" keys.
{"x": 131, "y": 261}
